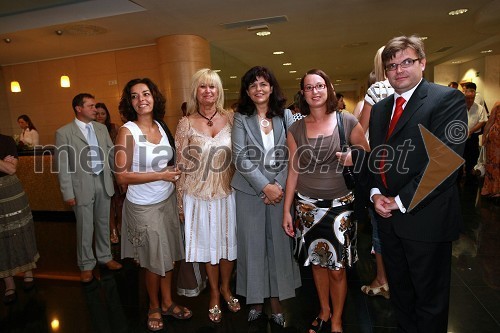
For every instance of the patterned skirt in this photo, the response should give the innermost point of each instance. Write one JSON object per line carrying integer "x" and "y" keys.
{"x": 18, "y": 252}
{"x": 325, "y": 232}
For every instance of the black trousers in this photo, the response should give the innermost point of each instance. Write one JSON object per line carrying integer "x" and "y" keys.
{"x": 471, "y": 153}
{"x": 419, "y": 279}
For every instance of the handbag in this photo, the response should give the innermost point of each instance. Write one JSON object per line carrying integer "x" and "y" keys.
{"x": 347, "y": 171}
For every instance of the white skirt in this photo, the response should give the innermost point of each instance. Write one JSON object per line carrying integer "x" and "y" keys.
{"x": 210, "y": 229}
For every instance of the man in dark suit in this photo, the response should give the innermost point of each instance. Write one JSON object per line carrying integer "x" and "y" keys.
{"x": 416, "y": 243}
{"x": 86, "y": 182}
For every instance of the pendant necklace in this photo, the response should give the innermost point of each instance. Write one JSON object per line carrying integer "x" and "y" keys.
{"x": 263, "y": 122}
{"x": 210, "y": 122}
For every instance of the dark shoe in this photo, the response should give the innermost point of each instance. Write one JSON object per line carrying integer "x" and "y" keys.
{"x": 10, "y": 296}
{"x": 86, "y": 276}
{"x": 113, "y": 265}
{"x": 278, "y": 319}
{"x": 183, "y": 313}
{"x": 28, "y": 283}
{"x": 320, "y": 327}
{"x": 154, "y": 324}
{"x": 254, "y": 315}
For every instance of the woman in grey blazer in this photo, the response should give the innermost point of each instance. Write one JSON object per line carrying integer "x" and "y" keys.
{"x": 266, "y": 267}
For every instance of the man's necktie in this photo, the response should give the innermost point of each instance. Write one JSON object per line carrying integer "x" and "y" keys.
{"x": 96, "y": 163}
{"x": 398, "y": 111}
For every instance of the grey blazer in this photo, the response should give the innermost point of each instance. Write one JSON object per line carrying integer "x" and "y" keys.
{"x": 251, "y": 174}
{"x": 75, "y": 177}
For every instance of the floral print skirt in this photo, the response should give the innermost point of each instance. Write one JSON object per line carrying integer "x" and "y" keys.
{"x": 325, "y": 232}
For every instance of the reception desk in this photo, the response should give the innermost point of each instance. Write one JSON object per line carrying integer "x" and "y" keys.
{"x": 36, "y": 172}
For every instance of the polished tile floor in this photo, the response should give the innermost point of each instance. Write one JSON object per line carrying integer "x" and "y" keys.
{"x": 117, "y": 302}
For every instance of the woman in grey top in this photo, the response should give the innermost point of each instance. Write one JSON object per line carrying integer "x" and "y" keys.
{"x": 322, "y": 201}
{"x": 266, "y": 267}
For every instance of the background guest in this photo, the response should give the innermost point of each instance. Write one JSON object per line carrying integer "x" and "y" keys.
{"x": 18, "y": 252}
{"x": 491, "y": 142}
{"x": 375, "y": 93}
{"x": 266, "y": 267}
{"x": 115, "y": 221}
{"x": 29, "y": 135}
{"x": 150, "y": 218}
{"x": 205, "y": 196}
{"x": 322, "y": 198}
{"x": 87, "y": 185}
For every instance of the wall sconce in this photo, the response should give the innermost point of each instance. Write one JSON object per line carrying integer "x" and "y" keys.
{"x": 65, "y": 81}
{"x": 15, "y": 87}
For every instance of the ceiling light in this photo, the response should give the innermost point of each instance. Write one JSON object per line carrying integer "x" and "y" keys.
{"x": 278, "y": 52}
{"x": 15, "y": 87}
{"x": 298, "y": 78}
{"x": 458, "y": 12}
{"x": 217, "y": 70}
{"x": 486, "y": 51}
{"x": 456, "y": 62}
{"x": 7, "y": 40}
{"x": 233, "y": 77}
{"x": 423, "y": 37}
{"x": 287, "y": 64}
{"x": 263, "y": 33}
{"x": 338, "y": 80}
{"x": 292, "y": 71}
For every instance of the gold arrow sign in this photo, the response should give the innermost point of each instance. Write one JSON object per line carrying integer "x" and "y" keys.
{"x": 443, "y": 161}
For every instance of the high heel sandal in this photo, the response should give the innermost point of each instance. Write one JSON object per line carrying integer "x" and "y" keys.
{"x": 215, "y": 314}
{"x": 318, "y": 328}
{"x": 114, "y": 237}
{"x": 233, "y": 304}
{"x": 10, "y": 296}
{"x": 382, "y": 290}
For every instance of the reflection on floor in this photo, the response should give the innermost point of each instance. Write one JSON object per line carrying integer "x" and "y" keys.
{"x": 117, "y": 302}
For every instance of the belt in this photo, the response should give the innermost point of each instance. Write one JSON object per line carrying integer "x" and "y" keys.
{"x": 327, "y": 203}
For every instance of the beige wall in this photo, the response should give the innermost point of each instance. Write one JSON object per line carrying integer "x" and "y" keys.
{"x": 49, "y": 106}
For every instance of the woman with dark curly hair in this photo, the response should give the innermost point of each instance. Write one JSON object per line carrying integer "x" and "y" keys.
{"x": 266, "y": 267}
{"x": 151, "y": 228}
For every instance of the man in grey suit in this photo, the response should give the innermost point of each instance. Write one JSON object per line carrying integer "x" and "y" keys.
{"x": 84, "y": 162}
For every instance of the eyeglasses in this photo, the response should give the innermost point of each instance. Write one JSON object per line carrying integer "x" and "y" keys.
{"x": 404, "y": 64}
{"x": 319, "y": 86}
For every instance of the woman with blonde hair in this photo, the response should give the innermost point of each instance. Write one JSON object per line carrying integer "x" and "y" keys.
{"x": 205, "y": 197}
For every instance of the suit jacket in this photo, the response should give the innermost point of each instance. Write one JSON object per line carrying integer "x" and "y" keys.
{"x": 437, "y": 217}
{"x": 75, "y": 176}
{"x": 251, "y": 175}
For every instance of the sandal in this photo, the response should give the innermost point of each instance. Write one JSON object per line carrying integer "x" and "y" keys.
{"x": 114, "y": 237}
{"x": 382, "y": 290}
{"x": 215, "y": 314}
{"x": 233, "y": 304}
{"x": 154, "y": 324}
{"x": 184, "y": 312}
{"x": 10, "y": 296}
{"x": 319, "y": 327}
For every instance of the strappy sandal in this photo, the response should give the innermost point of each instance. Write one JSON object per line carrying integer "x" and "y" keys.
{"x": 318, "y": 328}
{"x": 278, "y": 319}
{"x": 254, "y": 314}
{"x": 233, "y": 304}
{"x": 184, "y": 312}
{"x": 10, "y": 296}
{"x": 382, "y": 290}
{"x": 215, "y": 314}
{"x": 155, "y": 324}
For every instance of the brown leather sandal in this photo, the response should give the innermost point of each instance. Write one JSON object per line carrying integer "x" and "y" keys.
{"x": 155, "y": 324}
{"x": 183, "y": 313}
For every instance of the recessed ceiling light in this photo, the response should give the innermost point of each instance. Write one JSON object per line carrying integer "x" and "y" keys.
{"x": 217, "y": 70}
{"x": 287, "y": 64}
{"x": 278, "y": 52}
{"x": 292, "y": 71}
{"x": 423, "y": 37}
{"x": 458, "y": 12}
{"x": 456, "y": 62}
{"x": 298, "y": 78}
{"x": 338, "y": 80}
{"x": 486, "y": 51}
{"x": 233, "y": 77}
{"x": 263, "y": 33}
{"x": 225, "y": 89}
